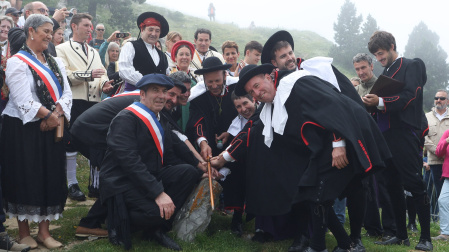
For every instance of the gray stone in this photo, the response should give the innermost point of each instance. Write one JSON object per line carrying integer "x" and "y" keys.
{"x": 195, "y": 214}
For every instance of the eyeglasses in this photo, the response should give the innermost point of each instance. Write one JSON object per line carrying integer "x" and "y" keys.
{"x": 441, "y": 98}
{"x": 100, "y": 29}
{"x": 43, "y": 11}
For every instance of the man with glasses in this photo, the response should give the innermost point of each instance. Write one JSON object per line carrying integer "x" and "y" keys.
{"x": 96, "y": 42}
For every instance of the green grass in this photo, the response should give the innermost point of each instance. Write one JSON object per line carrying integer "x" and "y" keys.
{"x": 217, "y": 236}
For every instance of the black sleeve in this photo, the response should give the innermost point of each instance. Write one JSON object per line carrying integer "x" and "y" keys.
{"x": 112, "y": 74}
{"x": 55, "y": 24}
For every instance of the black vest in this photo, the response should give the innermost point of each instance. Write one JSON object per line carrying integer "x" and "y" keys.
{"x": 144, "y": 63}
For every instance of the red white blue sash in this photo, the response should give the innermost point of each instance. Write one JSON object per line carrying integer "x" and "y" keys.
{"x": 150, "y": 120}
{"x": 127, "y": 93}
{"x": 47, "y": 76}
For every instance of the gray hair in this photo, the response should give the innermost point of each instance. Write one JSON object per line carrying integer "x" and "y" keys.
{"x": 362, "y": 57}
{"x": 7, "y": 18}
{"x": 356, "y": 79}
{"x": 180, "y": 76}
{"x": 442, "y": 90}
{"x": 34, "y": 21}
{"x": 99, "y": 24}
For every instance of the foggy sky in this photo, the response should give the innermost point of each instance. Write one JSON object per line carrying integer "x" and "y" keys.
{"x": 398, "y": 17}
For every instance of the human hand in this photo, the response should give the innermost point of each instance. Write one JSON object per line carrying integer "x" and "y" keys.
{"x": 206, "y": 151}
{"x": 426, "y": 166}
{"x": 370, "y": 100}
{"x": 61, "y": 14}
{"x": 218, "y": 161}
{"x": 166, "y": 205}
{"x": 97, "y": 73}
{"x": 223, "y": 137}
{"x": 107, "y": 87}
{"x": 339, "y": 158}
{"x": 112, "y": 37}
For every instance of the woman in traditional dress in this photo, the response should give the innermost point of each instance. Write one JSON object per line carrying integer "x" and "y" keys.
{"x": 33, "y": 161}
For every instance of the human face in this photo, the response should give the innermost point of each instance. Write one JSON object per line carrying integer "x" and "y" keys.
{"x": 364, "y": 70}
{"x": 245, "y": 107}
{"x": 40, "y": 8}
{"x": 41, "y": 37}
{"x": 261, "y": 87}
{"x": 5, "y": 26}
{"x": 214, "y": 81}
{"x": 355, "y": 83}
{"x": 154, "y": 98}
{"x": 231, "y": 55}
{"x": 15, "y": 17}
{"x": 202, "y": 43}
{"x": 184, "y": 97}
{"x": 169, "y": 44}
{"x": 385, "y": 57}
{"x": 100, "y": 31}
{"x": 252, "y": 57}
{"x": 57, "y": 36}
{"x": 82, "y": 31}
{"x": 150, "y": 34}
{"x": 172, "y": 98}
{"x": 113, "y": 54}
{"x": 284, "y": 59}
{"x": 440, "y": 104}
{"x": 183, "y": 58}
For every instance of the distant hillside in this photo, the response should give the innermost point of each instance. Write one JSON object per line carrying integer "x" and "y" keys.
{"x": 307, "y": 44}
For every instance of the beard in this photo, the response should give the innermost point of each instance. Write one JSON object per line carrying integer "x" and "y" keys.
{"x": 440, "y": 106}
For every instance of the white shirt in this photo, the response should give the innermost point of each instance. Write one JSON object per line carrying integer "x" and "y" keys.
{"x": 23, "y": 101}
{"x": 440, "y": 117}
{"x": 125, "y": 62}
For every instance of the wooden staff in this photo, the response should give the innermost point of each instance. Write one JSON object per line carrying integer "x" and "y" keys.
{"x": 209, "y": 171}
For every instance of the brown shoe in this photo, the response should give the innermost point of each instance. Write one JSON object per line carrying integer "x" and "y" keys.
{"x": 49, "y": 243}
{"x": 90, "y": 232}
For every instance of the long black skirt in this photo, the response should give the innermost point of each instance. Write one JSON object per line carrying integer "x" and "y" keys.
{"x": 33, "y": 171}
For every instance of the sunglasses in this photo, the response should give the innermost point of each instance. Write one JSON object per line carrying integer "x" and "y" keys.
{"x": 441, "y": 98}
{"x": 43, "y": 11}
{"x": 100, "y": 29}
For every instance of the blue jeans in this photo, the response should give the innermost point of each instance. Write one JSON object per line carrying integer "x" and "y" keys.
{"x": 340, "y": 210}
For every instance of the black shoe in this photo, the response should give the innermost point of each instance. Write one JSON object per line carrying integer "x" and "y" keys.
{"x": 412, "y": 227}
{"x": 299, "y": 244}
{"x": 75, "y": 193}
{"x": 261, "y": 236}
{"x": 394, "y": 241}
{"x": 387, "y": 237}
{"x": 309, "y": 249}
{"x": 236, "y": 228}
{"x": 424, "y": 245}
{"x": 8, "y": 244}
{"x": 94, "y": 192}
{"x": 372, "y": 234}
{"x": 357, "y": 246}
{"x": 165, "y": 241}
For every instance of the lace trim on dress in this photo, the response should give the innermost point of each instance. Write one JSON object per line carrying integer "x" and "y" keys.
{"x": 34, "y": 213}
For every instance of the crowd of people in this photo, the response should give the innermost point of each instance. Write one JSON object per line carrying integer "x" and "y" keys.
{"x": 293, "y": 142}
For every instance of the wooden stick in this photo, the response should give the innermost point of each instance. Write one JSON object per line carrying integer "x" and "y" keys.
{"x": 209, "y": 171}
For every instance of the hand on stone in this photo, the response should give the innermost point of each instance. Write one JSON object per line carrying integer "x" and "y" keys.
{"x": 166, "y": 206}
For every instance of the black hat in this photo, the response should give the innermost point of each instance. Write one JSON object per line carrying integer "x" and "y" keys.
{"x": 212, "y": 64}
{"x": 158, "y": 17}
{"x": 155, "y": 78}
{"x": 249, "y": 72}
{"x": 179, "y": 84}
{"x": 278, "y": 36}
{"x": 12, "y": 10}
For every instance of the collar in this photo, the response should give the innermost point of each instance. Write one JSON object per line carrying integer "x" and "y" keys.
{"x": 150, "y": 45}
{"x": 392, "y": 64}
{"x": 4, "y": 43}
{"x": 370, "y": 82}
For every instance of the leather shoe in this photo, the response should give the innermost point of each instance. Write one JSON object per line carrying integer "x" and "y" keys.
{"x": 90, "y": 232}
{"x": 309, "y": 249}
{"x": 49, "y": 243}
{"x": 8, "y": 244}
{"x": 165, "y": 241}
{"x": 75, "y": 193}
{"x": 236, "y": 228}
{"x": 29, "y": 241}
{"x": 358, "y": 245}
{"x": 387, "y": 237}
{"x": 424, "y": 245}
{"x": 412, "y": 227}
{"x": 394, "y": 241}
{"x": 299, "y": 244}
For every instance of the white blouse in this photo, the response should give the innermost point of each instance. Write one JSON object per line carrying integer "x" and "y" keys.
{"x": 125, "y": 62}
{"x": 23, "y": 102}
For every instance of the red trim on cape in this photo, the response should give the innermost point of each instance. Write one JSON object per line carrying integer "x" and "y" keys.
{"x": 367, "y": 156}
{"x": 302, "y": 128}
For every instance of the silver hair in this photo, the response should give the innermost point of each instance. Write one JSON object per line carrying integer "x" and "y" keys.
{"x": 35, "y": 21}
{"x": 9, "y": 19}
{"x": 99, "y": 24}
{"x": 180, "y": 76}
{"x": 356, "y": 79}
{"x": 362, "y": 57}
{"x": 442, "y": 90}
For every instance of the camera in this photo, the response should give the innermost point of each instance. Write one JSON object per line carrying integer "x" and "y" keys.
{"x": 121, "y": 35}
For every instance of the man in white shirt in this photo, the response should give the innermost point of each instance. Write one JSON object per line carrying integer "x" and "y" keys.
{"x": 142, "y": 57}
{"x": 203, "y": 39}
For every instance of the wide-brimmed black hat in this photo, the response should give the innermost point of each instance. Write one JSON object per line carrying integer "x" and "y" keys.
{"x": 249, "y": 72}
{"x": 278, "y": 36}
{"x": 212, "y": 64}
{"x": 158, "y": 17}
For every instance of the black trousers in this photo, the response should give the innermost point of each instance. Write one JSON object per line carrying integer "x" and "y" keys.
{"x": 178, "y": 182}
{"x": 78, "y": 107}
{"x": 404, "y": 172}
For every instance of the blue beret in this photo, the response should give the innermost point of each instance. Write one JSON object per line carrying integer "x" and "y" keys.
{"x": 155, "y": 78}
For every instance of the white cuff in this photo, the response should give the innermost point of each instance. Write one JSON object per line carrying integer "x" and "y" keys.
{"x": 228, "y": 157}
{"x": 225, "y": 172}
{"x": 340, "y": 143}
{"x": 199, "y": 140}
{"x": 181, "y": 136}
{"x": 381, "y": 104}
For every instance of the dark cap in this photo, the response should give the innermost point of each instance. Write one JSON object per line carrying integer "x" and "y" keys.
{"x": 155, "y": 78}
{"x": 276, "y": 37}
{"x": 212, "y": 64}
{"x": 179, "y": 84}
{"x": 164, "y": 24}
{"x": 12, "y": 10}
{"x": 249, "y": 72}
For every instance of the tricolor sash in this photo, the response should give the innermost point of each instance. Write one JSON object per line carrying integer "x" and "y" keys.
{"x": 127, "y": 93}
{"x": 47, "y": 75}
{"x": 150, "y": 120}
